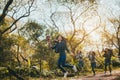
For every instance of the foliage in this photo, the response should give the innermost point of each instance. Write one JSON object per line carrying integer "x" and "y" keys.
{"x": 26, "y": 50}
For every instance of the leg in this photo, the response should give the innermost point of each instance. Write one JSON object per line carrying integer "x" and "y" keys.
{"x": 81, "y": 65}
{"x": 62, "y": 69}
{"x": 67, "y": 65}
{"x": 93, "y": 68}
{"x": 105, "y": 67}
{"x": 110, "y": 69}
{"x": 60, "y": 65}
{"x": 64, "y": 64}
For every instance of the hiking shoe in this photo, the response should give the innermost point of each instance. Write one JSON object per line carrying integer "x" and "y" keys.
{"x": 65, "y": 74}
{"x": 74, "y": 68}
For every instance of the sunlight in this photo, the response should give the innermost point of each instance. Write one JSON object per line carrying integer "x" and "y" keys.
{"x": 95, "y": 37}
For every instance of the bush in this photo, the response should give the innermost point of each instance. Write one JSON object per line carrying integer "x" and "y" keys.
{"x": 3, "y": 72}
{"x": 115, "y": 62}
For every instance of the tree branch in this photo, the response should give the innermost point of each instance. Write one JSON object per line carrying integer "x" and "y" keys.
{"x": 4, "y": 13}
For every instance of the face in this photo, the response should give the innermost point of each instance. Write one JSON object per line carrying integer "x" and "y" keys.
{"x": 60, "y": 38}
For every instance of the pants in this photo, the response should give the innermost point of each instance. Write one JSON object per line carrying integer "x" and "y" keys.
{"x": 81, "y": 64}
{"x": 62, "y": 63}
{"x": 108, "y": 63}
{"x": 93, "y": 66}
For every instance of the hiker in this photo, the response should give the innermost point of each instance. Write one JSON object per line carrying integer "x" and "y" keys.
{"x": 107, "y": 61}
{"x": 79, "y": 56}
{"x": 60, "y": 47}
{"x": 92, "y": 59}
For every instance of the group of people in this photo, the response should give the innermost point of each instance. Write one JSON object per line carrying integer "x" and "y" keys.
{"x": 61, "y": 48}
{"x": 92, "y": 58}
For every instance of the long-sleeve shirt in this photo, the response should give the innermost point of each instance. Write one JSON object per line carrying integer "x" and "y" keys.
{"x": 60, "y": 47}
{"x": 79, "y": 56}
{"x": 92, "y": 58}
{"x": 108, "y": 55}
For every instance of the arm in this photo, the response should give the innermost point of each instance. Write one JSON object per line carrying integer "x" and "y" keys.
{"x": 51, "y": 46}
{"x": 54, "y": 46}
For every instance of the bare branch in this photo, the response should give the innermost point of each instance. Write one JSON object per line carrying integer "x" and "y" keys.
{"x": 24, "y": 15}
{"x": 4, "y": 13}
{"x": 51, "y": 17}
{"x": 84, "y": 11}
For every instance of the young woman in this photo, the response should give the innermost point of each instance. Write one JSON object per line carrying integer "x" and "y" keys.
{"x": 60, "y": 47}
{"x": 92, "y": 59}
{"x": 108, "y": 54}
{"x": 81, "y": 61}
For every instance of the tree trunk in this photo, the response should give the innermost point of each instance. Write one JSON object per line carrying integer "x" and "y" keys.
{"x": 119, "y": 53}
{"x": 4, "y": 13}
{"x": 18, "y": 56}
{"x": 40, "y": 66}
{"x": 12, "y": 72}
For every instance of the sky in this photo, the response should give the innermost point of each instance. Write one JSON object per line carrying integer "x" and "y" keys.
{"x": 45, "y": 7}
{"x": 105, "y": 7}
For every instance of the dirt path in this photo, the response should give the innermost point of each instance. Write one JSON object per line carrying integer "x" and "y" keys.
{"x": 100, "y": 76}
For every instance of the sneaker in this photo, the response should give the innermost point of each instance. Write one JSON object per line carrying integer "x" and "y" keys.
{"x": 65, "y": 74}
{"x": 74, "y": 68}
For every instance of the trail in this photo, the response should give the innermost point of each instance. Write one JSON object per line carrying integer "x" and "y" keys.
{"x": 100, "y": 76}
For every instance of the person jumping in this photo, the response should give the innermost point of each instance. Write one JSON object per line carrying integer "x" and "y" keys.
{"x": 60, "y": 47}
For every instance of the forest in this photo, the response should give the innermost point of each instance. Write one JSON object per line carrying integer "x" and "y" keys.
{"x": 87, "y": 26}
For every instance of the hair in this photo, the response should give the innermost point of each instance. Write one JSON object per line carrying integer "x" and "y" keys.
{"x": 80, "y": 51}
{"x": 63, "y": 39}
{"x": 93, "y": 53}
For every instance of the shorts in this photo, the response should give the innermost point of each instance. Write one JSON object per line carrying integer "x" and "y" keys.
{"x": 107, "y": 62}
{"x": 93, "y": 64}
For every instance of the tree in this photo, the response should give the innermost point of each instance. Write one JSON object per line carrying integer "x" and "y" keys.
{"x": 32, "y": 31}
{"x": 77, "y": 32}
{"x": 115, "y": 37}
{"x": 74, "y": 1}
{"x": 21, "y": 49}
{"x": 12, "y": 9}
{"x": 6, "y": 54}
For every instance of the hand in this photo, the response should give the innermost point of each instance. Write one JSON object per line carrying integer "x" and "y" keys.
{"x": 55, "y": 40}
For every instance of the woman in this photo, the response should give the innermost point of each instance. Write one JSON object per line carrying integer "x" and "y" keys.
{"x": 80, "y": 57}
{"x": 108, "y": 55}
{"x": 60, "y": 47}
{"x": 92, "y": 59}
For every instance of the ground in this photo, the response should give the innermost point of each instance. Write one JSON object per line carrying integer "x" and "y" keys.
{"x": 99, "y": 76}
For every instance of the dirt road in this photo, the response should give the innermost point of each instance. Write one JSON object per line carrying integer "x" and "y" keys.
{"x": 100, "y": 76}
